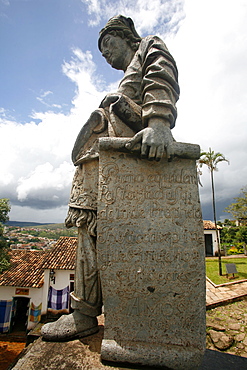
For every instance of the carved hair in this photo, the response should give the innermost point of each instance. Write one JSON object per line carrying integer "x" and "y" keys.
{"x": 127, "y": 35}
{"x": 123, "y": 27}
{"x": 79, "y": 217}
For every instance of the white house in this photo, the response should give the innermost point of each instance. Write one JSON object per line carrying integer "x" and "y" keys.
{"x": 210, "y": 237}
{"x": 36, "y": 283}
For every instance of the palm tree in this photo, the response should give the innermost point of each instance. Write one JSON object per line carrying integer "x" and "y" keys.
{"x": 211, "y": 160}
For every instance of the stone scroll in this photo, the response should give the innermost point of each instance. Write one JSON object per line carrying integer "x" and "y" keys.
{"x": 151, "y": 258}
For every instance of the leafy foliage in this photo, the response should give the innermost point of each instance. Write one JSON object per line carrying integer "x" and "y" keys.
{"x": 233, "y": 238}
{"x": 4, "y": 257}
{"x": 4, "y": 209}
{"x": 238, "y": 209}
{"x": 4, "y": 260}
{"x": 211, "y": 160}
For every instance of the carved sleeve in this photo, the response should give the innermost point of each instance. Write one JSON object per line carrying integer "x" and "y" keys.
{"x": 160, "y": 89}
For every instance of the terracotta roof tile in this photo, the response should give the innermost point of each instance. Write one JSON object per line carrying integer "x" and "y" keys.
{"x": 209, "y": 225}
{"x": 62, "y": 255}
{"x": 25, "y": 270}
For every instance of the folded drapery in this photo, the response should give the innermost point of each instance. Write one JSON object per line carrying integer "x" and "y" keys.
{"x": 35, "y": 313}
{"x": 5, "y": 311}
{"x": 58, "y": 299}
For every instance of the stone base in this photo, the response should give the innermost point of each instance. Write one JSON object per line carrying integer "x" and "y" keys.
{"x": 150, "y": 250}
{"x": 143, "y": 353}
{"x": 85, "y": 354}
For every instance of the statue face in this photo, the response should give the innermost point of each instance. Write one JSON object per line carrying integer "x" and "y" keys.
{"x": 115, "y": 50}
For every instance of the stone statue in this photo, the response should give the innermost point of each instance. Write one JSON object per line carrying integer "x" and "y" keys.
{"x": 143, "y": 110}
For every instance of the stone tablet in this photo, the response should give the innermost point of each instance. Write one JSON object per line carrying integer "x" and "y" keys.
{"x": 151, "y": 259}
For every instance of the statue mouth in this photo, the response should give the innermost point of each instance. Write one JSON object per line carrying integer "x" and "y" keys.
{"x": 108, "y": 59}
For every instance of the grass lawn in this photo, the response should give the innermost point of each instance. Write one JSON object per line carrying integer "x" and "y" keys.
{"x": 212, "y": 269}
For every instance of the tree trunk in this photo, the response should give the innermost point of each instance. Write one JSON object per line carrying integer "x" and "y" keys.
{"x": 216, "y": 229}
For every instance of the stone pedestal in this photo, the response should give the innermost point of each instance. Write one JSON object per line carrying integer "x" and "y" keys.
{"x": 151, "y": 258}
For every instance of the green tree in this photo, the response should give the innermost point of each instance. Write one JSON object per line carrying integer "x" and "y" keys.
{"x": 4, "y": 210}
{"x": 211, "y": 160}
{"x": 238, "y": 209}
{"x": 228, "y": 234}
{"x": 241, "y": 236}
{"x": 4, "y": 257}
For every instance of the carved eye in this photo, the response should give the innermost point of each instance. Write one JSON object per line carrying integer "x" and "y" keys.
{"x": 105, "y": 41}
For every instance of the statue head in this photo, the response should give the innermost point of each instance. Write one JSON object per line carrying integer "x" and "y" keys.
{"x": 123, "y": 27}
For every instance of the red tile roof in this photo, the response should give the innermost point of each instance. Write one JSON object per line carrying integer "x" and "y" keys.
{"x": 25, "y": 270}
{"x": 27, "y": 267}
{"x": 62, "y": 255}
{"x": 209, "y": 225}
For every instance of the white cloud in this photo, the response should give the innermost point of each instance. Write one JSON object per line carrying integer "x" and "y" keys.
{"x": 147, "y": 15}
{"x": 37, "y": 171}
{"x": 211, "y": 53}
{"x": 25, "y": 213}
{"x": 45, "y": 178}
{"x": 95, "y": 8}
{"x": 82, "y": 71}
{"x": 47, "y": 102}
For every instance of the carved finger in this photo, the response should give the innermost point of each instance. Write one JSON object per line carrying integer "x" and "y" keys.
{"x": 160, "y": 152}
{"x": 135, "y": 139}
{"x": 170, "y": 152}
{"x": 144, "y": 150}
{"x": 152, "y": 153}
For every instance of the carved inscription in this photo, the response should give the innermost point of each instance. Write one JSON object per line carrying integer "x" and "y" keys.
{"x": 178, "y": 176}
{"x": 150, "y": 248}
{"x": 144, "y": 192}
{"x": 131, "y": 235}
{"x": 155, "y": 210}
{"x": 139, "y": 188}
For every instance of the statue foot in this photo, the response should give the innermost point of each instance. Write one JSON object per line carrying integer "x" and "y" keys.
{"x": 72, "y": 326}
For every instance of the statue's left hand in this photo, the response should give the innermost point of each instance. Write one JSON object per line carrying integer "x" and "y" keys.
{"x": 154, "y": 139}
{"x": 109, "y": 99}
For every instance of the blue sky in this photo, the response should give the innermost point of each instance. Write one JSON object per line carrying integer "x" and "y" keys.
{"x": 53, "y": 77}
{"x": 37, "y": 36}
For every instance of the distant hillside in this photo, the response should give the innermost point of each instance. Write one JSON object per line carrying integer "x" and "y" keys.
{"x": 51, "y": 226}
{"x": 29, "y": 224}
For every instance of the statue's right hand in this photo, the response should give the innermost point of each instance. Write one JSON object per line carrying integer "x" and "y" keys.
{"x": 109, "y": 99}
{"x": 154, "y": 141}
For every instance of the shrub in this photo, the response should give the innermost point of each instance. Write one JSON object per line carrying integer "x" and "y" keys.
{"x": 233, "y": 250}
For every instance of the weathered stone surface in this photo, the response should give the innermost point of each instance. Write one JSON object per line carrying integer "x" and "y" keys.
{"x": 215, "y": 326}
{"x": 240, "y": 345}
{"x": 151, "y": 260}
{"x": 221, "y": 340}
{"x": 69, "y": 355}
{"x": 45, "y": 355}
{"x": 234, "y": 326}
{"x": 81, "y": 354}
{"x": 240, "y": 337}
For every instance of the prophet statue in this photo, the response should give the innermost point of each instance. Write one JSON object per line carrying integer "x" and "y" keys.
{"x": 144, "y": 110}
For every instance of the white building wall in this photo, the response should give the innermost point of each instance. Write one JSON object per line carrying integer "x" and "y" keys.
{"x": 214, "y": 239}
{"x": 62, "y": 280}
{"x": 39, "y": 295}
{"x": 45, "y": 291}
{"x": 35, "y": 294}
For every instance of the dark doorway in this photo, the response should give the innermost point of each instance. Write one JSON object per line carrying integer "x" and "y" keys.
{"x": 20, "y": 314}
{"x": 208, "y": 244}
